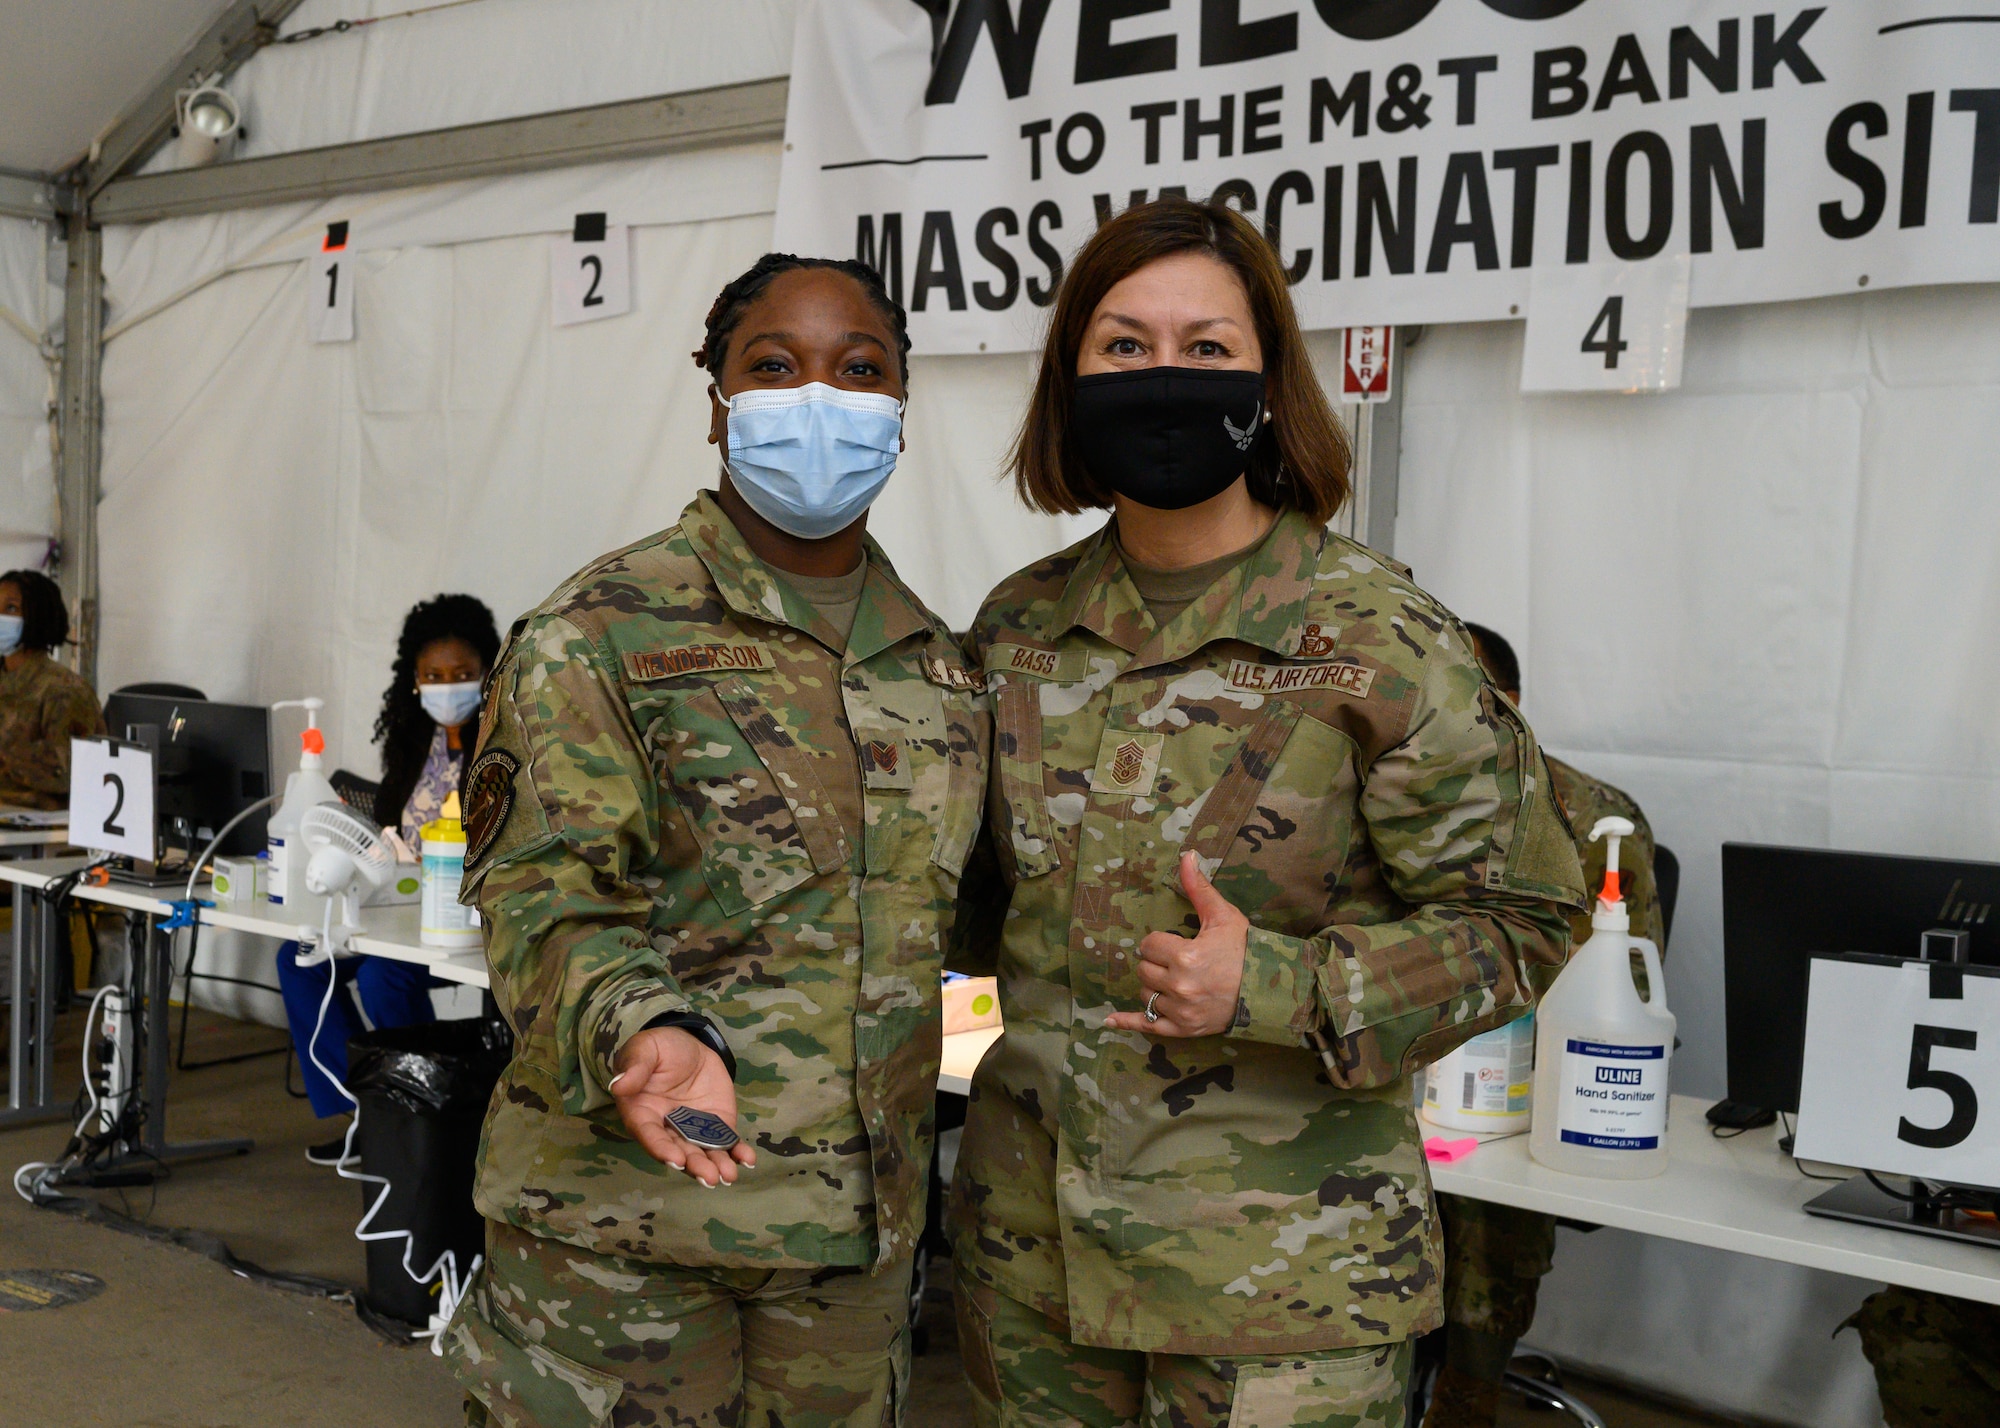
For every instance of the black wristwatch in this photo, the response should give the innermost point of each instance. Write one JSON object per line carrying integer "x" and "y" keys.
{"x": 700, "y": 1027}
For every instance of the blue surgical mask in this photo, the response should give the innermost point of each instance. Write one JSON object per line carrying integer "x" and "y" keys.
{"x": 450, "y": 704}
{"x": 10, "y": 634}
{"x": 811, "y": 459}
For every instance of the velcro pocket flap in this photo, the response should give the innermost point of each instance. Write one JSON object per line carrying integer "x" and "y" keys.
{"x": 1234, "y": 794}
{"x": 1017, "y": 753}
{"x": 819, "y": 822}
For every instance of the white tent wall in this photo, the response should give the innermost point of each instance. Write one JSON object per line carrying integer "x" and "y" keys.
{"x": 1764, "y": 605}
{"x": 30, "y": 305}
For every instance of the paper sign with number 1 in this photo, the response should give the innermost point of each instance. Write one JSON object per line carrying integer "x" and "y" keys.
{"x": 330, "y": 288}
{"x": 590, "y": 271}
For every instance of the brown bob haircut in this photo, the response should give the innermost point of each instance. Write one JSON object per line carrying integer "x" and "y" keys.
{"x": 1305, "y": 468}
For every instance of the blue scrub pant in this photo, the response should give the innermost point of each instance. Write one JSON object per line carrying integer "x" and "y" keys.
{"x": 392, "y": 993}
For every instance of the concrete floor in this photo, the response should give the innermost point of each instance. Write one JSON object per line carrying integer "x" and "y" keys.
{"x": 176, "y": 1341}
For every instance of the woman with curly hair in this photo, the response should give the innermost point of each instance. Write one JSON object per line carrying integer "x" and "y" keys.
{"x": 426, "y": 731}
{"x": 43, "y": 704}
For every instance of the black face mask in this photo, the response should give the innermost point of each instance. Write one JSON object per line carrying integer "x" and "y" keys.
{"x": 1168, "y": 437}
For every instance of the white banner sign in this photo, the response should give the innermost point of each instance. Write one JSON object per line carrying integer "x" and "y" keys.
{"x": 1412, "y": 160}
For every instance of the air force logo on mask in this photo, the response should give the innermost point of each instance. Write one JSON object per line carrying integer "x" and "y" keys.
{"x": 1244, "y": 435}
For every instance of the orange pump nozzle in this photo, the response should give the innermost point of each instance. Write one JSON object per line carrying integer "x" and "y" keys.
{"x": 313, "y": 741}
{"x": 1616, "y": 829}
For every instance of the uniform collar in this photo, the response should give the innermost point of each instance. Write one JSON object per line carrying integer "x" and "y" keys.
{"x": 888, "y": 611}
{"x": 1261, "y": 602}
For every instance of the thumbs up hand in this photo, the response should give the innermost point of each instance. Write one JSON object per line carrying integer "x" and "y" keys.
{"x": 1192, "y": 983}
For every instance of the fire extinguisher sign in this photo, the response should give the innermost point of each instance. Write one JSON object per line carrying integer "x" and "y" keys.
{"x": 1366, "y": 374}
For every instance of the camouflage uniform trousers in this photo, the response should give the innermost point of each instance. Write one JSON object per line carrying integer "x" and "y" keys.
{"x": 1026, "y": 1373}
{"x": 553, "y": 1336}
{"x": 1494, "y": 1260}
{"x": 1935, "y": 1358}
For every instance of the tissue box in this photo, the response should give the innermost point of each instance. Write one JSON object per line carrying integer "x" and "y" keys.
{"x": 971, "y": 1003}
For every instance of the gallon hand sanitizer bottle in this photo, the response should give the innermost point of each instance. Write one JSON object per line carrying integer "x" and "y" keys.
{"x": 305, "y": 786}
{"x": 1601, "y": 1051}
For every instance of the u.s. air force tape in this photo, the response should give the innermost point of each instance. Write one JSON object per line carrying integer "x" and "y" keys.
{"x": 489, "y": 798}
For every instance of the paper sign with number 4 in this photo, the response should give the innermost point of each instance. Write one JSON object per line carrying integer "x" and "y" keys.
{"x": 1606, "y": 327}
{"x": 590, "y": 271}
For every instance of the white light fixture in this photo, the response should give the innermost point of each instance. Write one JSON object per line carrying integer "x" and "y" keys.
{"x": 209, "y": 120}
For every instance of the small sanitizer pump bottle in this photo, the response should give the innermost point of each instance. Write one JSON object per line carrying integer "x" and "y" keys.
{"x": 1601, "y": 1051}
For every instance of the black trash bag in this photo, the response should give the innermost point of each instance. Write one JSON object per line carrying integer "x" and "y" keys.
{"x": 423, "y": 1093}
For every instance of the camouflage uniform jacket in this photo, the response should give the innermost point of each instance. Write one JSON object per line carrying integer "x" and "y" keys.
{"x": 1314, "y": 727}
{"x": 684, "y": 796}
{"x": 1584, "y": 800}
{"x": 43, "y": 705}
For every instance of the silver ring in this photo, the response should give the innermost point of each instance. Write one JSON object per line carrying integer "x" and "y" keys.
{"x": 1152, "y": 1007}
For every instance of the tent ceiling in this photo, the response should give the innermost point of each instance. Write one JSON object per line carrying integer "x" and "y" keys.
{"x": 68, "y": 70}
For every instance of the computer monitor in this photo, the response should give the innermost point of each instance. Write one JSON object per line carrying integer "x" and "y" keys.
{"x": 213, "y": 760}
{"x": 1780, "y": 906}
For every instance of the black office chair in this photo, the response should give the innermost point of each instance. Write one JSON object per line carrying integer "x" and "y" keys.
{"x": 355, "y": 791}
{"x": 164, "y": 691}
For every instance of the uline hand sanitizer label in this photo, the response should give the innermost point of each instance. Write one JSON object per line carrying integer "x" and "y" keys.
{"x": 1613, "y": 1097}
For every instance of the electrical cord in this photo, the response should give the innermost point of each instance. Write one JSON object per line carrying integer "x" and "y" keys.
{"x": 39, "y": 1172}
{"x": 1786, "y": 1143}
{"x": 189, "y": 975}
{"x": 445, "y": 1268}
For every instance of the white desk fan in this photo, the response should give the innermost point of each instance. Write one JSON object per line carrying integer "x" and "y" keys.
{"x": 348, "y": 858}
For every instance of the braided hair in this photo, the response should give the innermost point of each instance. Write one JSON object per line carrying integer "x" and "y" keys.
{"x": 403, "y": 729}
{"x": 44, "y": 617}
{"x": 735, "y": 298}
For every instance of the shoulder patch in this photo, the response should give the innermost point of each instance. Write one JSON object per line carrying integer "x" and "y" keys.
{"x": 489, "y": 798}
{"x": 642, "y": 666}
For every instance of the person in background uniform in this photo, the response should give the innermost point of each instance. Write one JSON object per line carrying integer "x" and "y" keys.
{"x": 1936, "y": 1358}
{"x": 725, "y": 786}
{"x": 1263, "y": 840}
{"x": 43, "y": 705}
{"x": 1495, "y": 1255}
{"x": 425, "y": 727}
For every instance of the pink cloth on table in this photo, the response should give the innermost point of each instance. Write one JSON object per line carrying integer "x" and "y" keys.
{"x": 1448, "y": 1151}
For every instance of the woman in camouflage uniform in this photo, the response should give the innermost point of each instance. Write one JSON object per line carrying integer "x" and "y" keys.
{"x": 1263, "y": 838}
{"x": 726, "y": 781}
{"x": 43, "y": 705}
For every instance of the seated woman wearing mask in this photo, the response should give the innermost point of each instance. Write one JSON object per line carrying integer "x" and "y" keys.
{"x": 43, "y": 705}
{"x": 425, "y": 730}
{"x": 725, "y": 786}
{"x": 1266, "y": 839}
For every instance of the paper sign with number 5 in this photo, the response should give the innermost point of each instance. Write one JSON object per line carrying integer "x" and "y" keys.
{"x": 111, "y": 797}
{"x": 590, "y": 271}
{"x": 1902, "y": 1069}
